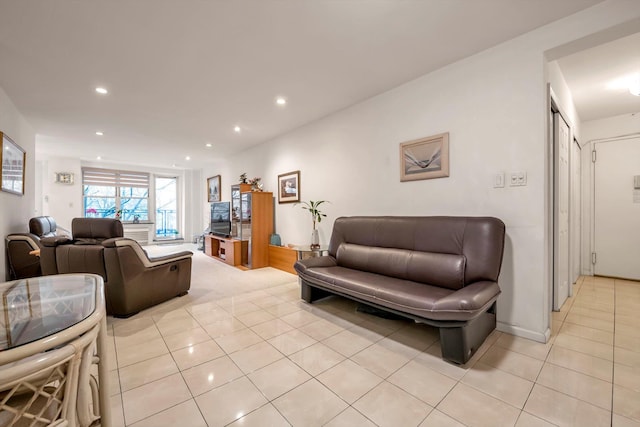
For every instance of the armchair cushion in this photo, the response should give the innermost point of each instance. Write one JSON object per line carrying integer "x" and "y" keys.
{"x": 43, "y": 226}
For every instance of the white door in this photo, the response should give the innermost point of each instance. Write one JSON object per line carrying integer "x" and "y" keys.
{"x": 576, "y": 210}
{"x": 561, "y": 212}
{"x": 617, "y": 209}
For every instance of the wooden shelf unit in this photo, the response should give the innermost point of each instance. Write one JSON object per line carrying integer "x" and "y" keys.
{"x": 224, "y": 249}
{"x": 257, "y": 228}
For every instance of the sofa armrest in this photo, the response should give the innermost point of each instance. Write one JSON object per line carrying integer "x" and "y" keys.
{"x": 320, "y": 261}
{"x": 110, "y": 243}
{"x": 473, "y": 297}
{"x": 55, "y": 241}
{"x": 123, "y": 242}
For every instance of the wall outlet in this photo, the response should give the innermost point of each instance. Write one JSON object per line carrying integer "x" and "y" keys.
{"x": 518, "y": 179}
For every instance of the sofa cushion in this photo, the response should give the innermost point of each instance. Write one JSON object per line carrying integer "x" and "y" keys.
{"x": 418, "y": 299}
{"x": 445, "y": 270}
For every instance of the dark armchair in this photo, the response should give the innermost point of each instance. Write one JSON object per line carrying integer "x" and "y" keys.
{"x": 83, "y": 251}
{"x": 21, "y": 263}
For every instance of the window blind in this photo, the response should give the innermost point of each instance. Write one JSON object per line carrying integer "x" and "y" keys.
{"x": 114, "y": 178}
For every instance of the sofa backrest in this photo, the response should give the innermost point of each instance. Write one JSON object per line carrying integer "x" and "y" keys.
{"x": 449, "y": 252}
{"x": 95, "y": 230}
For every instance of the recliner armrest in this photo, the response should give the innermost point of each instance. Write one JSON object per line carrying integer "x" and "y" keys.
{"x": 144, "y": 258}
{"x": 55, "y": 241}
{"x": 110, "y": 243}
{"x": 31, "y": 239}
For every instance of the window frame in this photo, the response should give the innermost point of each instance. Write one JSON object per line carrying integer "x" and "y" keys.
{"x": 118, "y": 180}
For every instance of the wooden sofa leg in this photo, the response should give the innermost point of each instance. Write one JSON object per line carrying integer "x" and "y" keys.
{"x": 310, "y": 293}
{"x": 460, "y": 343}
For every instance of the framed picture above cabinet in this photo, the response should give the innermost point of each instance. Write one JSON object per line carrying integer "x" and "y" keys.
{"x": 289, "y": 187}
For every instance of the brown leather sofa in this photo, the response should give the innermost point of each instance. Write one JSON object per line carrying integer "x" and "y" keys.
{"x": 133, "y": 281}
{"x": 20, "y": 263}
{"x": 442, "y": 271}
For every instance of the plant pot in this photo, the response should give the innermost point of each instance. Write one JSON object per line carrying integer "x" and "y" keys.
{"x": 315, "y": 240}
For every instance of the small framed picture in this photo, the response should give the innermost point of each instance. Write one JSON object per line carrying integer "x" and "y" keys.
{"x": 289, "y": 187}
{"x": 213, "y": 189}
{"x": 425, "y": 158}
{"x": 12, "y": 158}
{"x": 64, "y": 178}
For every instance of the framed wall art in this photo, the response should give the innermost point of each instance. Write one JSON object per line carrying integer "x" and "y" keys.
{"x": 213, "y": 188}
{"x": 13, "y": 160}
{"x": 289, "y": 187}
{"x": 64, "y": 178}
{"x": 425, "y": 158}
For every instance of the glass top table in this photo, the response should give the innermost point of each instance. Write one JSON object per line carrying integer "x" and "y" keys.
{"x": 34, "y": 309}
{"x": 305, "y": 251}
{"x": 42, "y": 314}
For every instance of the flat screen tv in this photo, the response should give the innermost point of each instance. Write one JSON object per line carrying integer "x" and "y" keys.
{"x": 221, "y": 219}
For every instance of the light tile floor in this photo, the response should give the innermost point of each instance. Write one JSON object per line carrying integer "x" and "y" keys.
{"x": 242, "y": 349}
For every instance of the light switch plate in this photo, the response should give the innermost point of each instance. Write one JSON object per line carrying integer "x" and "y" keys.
{"x": 518, "y": 179}
{"x": 498, "y": 180}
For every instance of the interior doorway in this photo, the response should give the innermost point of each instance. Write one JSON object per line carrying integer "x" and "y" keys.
{"x": 617, "y": 208}
{"x": 167, "y": 224}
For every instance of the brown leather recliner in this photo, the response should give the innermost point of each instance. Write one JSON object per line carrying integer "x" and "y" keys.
{"x": 137, "y": 282}
{"x": 133, "y": 281}
{"x": 20, "y": 263}
{"x": 83, "y": 252}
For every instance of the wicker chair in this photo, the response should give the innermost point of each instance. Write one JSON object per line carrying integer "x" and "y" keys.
{"x": 54, "y": 388}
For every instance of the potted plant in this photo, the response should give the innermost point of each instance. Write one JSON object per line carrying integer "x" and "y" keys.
{"x": 316, "y": 217}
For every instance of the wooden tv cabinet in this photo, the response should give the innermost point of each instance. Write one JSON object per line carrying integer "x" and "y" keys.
{"x": 223, "y": 248}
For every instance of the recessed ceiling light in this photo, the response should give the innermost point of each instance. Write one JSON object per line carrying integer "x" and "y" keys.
{"x": 188, "y": 158}
{"x": 281, "y": 100}
{"x": 99, "y": 133}
{"x": 174, "y": 165}
{"x": 208, "y": 145}
{"x": 99, "y": 158}
{"x": 237, "y": 129}
{"x": 102, "y": 90}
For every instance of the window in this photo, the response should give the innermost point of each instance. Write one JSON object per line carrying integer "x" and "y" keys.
{"x": 107, "y": 193}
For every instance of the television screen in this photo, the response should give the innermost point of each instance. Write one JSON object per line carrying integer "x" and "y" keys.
{"x": 220, "y": 218}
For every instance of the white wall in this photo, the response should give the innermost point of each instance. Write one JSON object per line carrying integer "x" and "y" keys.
{"x": 494, "y": 107}
{"x": 61, "y": 201}
{"x": 592, "y": 131}
{"x": 15, "y": 211}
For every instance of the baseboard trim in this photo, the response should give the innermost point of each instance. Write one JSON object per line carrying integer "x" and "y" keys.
{"x": 524, "y": 333}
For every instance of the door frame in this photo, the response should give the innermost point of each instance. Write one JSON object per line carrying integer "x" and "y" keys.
{"x": 553, "y": 106}
{"x": 576, "y": 215}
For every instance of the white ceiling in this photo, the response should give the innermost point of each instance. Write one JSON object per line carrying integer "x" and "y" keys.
{"x": 597, "y": 77}
{"x": 183, "y": 73}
